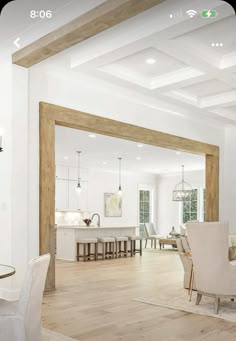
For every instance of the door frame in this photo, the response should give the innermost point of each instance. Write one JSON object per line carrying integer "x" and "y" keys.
{"x": 51, "y": 115}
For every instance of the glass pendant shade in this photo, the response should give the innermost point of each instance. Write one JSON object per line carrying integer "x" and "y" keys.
{"x": 119, "y": 192}
{"x": 183, "y": 190}
{"x": 79, "y": 188}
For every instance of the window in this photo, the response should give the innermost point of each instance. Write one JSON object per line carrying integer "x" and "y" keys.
{"x": 144, "y": 207}
{"x": 193, "y": 209}
{"x": 190, "y": 208}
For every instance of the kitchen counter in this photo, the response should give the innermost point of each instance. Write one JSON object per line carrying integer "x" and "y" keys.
{"x": 67, "y": 236}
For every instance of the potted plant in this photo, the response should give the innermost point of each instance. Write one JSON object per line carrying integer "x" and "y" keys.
{"x": 87, "y": 221}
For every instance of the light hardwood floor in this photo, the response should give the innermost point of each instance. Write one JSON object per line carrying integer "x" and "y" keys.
{"x": 94, "y": 302}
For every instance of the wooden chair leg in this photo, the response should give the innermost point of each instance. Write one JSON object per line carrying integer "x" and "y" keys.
{"x": 217, "y": 302}
{"x": 199, "y": 297}
{"x": 84, "y": 252}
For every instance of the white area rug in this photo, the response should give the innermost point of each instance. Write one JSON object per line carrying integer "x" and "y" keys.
{"x": 49, "y": 335}
{"x": 177, "y": 298}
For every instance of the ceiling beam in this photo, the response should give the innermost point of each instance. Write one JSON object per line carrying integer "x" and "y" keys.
{"x": 100, "y": 18}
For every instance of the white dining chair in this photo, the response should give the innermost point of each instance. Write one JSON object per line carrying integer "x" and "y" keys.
{"x": 20, "y": 319}
{"x": 151, "y": 234}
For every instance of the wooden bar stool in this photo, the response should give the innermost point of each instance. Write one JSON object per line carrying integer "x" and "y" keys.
{"x": 119, "y": 251}
{"x": 133, "y": 249}
{"x": 108, "y": 247}
{"x": 87, "y": 255}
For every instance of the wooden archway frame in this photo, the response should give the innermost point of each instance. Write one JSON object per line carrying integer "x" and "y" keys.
{"x": 52, "y": 115}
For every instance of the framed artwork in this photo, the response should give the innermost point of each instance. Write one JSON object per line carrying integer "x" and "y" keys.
{"x": 112, "y": 205}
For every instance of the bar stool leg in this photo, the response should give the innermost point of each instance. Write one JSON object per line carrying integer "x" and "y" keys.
{"x": 125, "y": 248}
{"x": 84, "y": 252}
{"x": 78, "y": 252}
{"x": 131, "y": 248}
{"x": 89, "y": 252}
{"x": 103, "y": 251}
{"x": 96, "y": 251}
{"x": 134, "y": 247}
{"x": 141, "y": 247}
{"x": 113, "y": 250}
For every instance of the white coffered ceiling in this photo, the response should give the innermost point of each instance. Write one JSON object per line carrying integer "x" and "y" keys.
{"x": 189, "y": 77}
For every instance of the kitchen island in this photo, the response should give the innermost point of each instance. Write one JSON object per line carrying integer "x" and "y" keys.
{"x": 67, "y": 236}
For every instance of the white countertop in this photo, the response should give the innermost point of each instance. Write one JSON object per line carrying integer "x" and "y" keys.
{"x": 94, "y": 227}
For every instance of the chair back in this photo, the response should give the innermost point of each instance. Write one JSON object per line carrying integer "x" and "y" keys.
{"x": 150, "y": 230}
{"x": 29, "y": 306}
{"x": 209, "y": 248}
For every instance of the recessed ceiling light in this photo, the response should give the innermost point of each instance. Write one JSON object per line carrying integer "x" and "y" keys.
{"x": 138, "y": 158}
{"x": 140, "y": 145}
{"x": 104, "y": 163}
{"x": 150, "y": 61}
{"x": 66, "y": 157}
{"x": 178, "y": 153}
{"x": 92, "y": 136}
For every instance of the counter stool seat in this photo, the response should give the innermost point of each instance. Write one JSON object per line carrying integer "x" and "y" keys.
{"x": 133, "y": 249}
{"x": 87, "y": 254}
{"x": 119, "y": 251}
{"x": 108, "y": 247}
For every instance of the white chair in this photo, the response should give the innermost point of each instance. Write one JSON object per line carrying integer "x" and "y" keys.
{"x": 20, "y": 320}
{"x": 214, "y": 274}
{"x": 151, "y": 234}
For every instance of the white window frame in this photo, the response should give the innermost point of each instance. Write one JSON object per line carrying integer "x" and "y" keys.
{"x": 200, "y": 203}
{"x": 149, "y": 188}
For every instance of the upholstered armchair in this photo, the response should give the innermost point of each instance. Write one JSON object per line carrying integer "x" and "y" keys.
{"x": 151, "y": 234}
{"x": 214, "y": 274}
{"x": 20, "y": 319}
{"x": 186, "y": 259}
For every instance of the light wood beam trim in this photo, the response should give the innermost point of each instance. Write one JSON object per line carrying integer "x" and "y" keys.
{"x": 80, "y": 120}
{"x": 100, "y": 18}
{"x": 47, "y": 196}
{"x": 51, "y": 115}
{"x": 212, "y": 187}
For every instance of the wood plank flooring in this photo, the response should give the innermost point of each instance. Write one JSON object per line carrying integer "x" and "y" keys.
{"x": 94, "y": 302}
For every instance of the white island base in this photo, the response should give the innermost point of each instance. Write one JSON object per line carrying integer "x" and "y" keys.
{"x": 68, "y": 235}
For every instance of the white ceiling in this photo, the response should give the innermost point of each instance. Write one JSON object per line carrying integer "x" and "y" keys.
{"x": 190, "y": 78}
{"x": 102, "y": 152}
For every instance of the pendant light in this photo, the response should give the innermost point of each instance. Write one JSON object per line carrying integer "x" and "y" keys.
{"x": 79, "y": 189}
{"x": 183, "y": 190}
{"x": 119, "y": 189}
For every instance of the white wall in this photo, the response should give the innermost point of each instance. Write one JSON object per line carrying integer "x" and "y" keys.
{"x": 168, "y": 210}
{"x": 229, "y": 179}
{"x": 5, "y": 162}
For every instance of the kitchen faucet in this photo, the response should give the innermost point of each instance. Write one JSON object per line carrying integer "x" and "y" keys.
{"x": 98, "y": 222}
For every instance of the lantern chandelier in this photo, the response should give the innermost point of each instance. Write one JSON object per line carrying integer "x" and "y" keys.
{"x": 183, "y": 190}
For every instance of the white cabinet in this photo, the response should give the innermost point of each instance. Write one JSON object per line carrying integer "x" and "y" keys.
{"x": 67, "y": 197}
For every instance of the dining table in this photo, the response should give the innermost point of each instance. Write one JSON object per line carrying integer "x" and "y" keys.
{"x": 6, "y": 271}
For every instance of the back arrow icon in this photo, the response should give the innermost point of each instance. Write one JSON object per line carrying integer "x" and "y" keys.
{"x": 16, "y": 42}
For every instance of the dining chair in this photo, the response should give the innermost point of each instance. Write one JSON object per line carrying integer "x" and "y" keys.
{"x": 20, "y": 319}
{"x": 214, "y": 274}
{"x": 151, "y": 234}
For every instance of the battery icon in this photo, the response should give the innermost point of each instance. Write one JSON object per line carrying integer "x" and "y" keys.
{"x": 209, "y": 13}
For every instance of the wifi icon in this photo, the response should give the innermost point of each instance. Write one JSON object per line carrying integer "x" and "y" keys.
{"x": 191, "y": 13}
